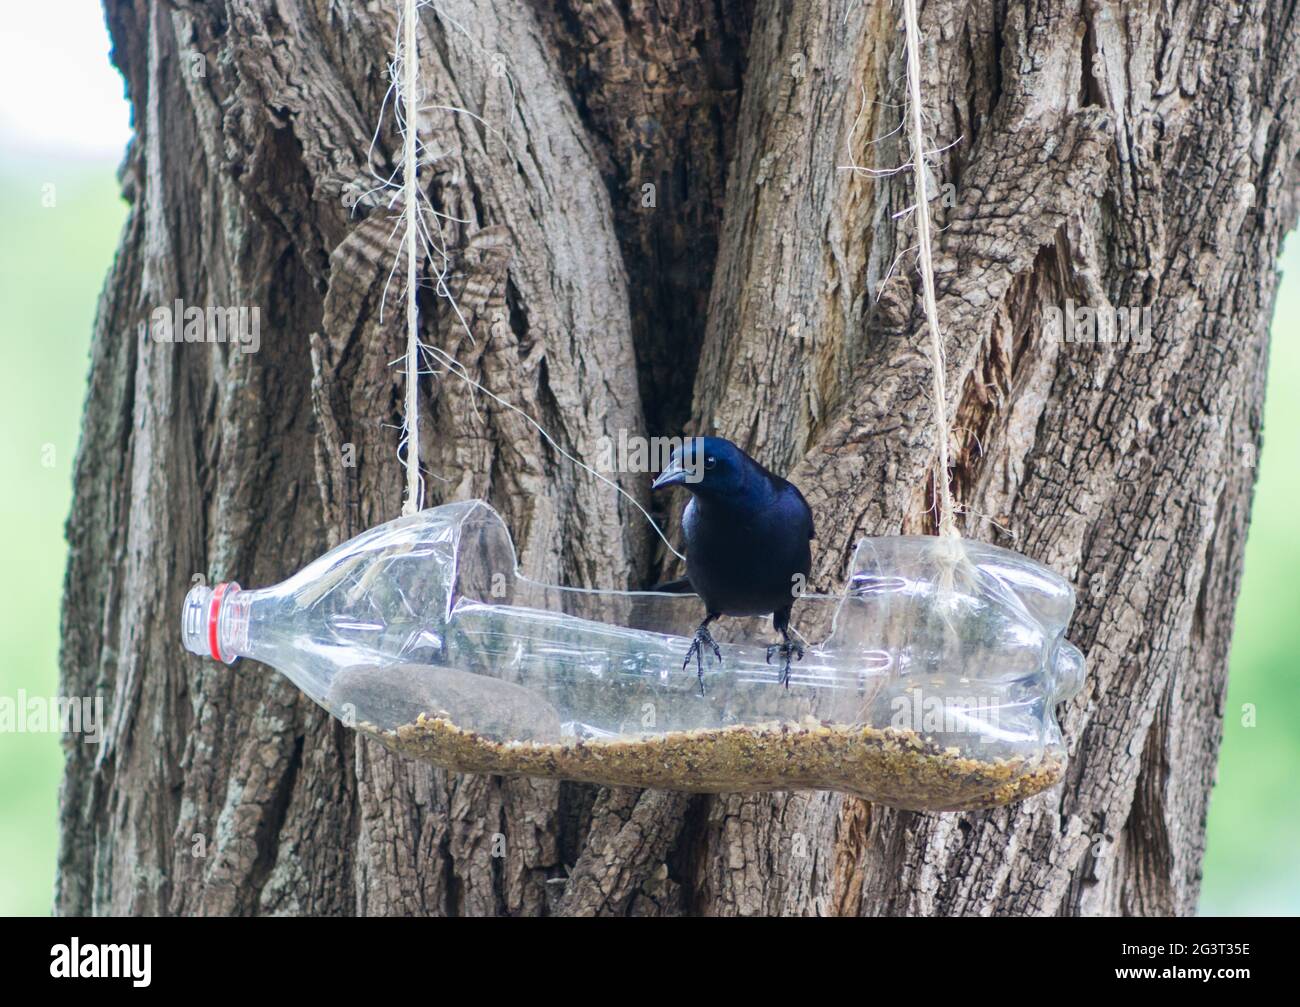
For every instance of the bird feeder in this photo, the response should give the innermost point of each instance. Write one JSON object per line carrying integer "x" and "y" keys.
{"x": 933, "y": 687}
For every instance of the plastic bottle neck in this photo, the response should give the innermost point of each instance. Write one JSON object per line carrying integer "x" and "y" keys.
{"x": 214, "y": 622}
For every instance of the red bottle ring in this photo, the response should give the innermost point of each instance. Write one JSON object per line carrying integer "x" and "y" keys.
{"x": 214, "y": 611}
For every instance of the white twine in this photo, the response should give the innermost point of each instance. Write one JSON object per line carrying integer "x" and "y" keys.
{"x": 947, "y": 525}
{"x": 418, "y": 234}
{"x": 409, "y": 58}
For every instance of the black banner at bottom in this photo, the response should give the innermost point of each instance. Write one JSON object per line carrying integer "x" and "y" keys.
{"x": 333, "y": 956}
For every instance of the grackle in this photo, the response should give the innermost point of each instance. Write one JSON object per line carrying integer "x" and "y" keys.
{"x": 747, "y": 534}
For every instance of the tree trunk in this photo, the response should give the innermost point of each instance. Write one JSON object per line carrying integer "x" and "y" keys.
{"x": 1102, "y": 153}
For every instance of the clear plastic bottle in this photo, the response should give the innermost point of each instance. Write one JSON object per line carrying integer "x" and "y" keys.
{"x": 934, "y": 687}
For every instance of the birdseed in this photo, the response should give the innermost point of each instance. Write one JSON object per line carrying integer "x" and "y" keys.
{"x": 890, "y": 766}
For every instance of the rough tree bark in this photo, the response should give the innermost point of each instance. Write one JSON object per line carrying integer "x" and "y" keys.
{"x": 1108, "y": 152}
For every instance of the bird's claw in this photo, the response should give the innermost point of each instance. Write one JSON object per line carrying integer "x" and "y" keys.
{"x": 786, "y": 649}
{"x": 702, "y": 639}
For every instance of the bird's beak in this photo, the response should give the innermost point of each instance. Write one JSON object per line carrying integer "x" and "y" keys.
{"x": 673, "y": 475}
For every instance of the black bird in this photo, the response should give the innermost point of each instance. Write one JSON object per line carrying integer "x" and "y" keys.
{"x": 747, "y": 533}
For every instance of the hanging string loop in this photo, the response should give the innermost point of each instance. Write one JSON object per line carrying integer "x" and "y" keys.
{"x": 947, "y": 522}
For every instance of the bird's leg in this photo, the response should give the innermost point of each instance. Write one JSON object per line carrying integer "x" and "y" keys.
{"x": 702, "y": 639}
{"x": 787, "y": 648}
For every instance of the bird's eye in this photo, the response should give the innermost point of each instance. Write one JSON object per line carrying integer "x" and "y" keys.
{"x": 710, "y": 461}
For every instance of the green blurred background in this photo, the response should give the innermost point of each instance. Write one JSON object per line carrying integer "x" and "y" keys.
{"x": 53, "y": 260}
